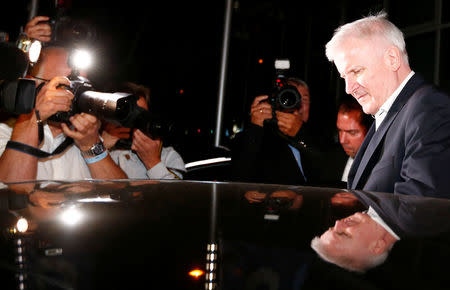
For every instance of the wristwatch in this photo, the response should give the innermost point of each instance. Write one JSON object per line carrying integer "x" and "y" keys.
{"x": 96, "y": 149}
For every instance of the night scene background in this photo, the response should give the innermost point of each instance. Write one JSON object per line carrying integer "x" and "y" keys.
{"x": 175, "y": 48}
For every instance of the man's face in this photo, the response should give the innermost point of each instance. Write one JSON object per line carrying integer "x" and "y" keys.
{"x": 368, "y": 78}
{"x": 56, "y": 64}
{"x": 304, "y": 109}
{"x": 354, "y": 236}
{"x": 351, "y": 132}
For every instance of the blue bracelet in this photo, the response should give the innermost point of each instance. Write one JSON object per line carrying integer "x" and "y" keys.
{"x": 96, "y": 158}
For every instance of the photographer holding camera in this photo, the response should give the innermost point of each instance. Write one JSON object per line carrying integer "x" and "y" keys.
{"x": 274, "y": 148}
{"x": 86, "y": 158}
{"x": 137, "y": 152}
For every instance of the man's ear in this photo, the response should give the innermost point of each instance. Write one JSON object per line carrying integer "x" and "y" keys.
{"x": 378, "y": 247}
{"x": 392, "y": 58}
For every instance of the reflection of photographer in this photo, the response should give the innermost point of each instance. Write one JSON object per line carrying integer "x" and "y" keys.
{"x": 140, "y": 152}
{"x": 271, "y": 149}
{"x": 277, "y": 201}
{"x": 86, "y": 158}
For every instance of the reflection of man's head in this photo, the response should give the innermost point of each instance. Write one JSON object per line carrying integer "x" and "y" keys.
{"x": 356, "y": 243}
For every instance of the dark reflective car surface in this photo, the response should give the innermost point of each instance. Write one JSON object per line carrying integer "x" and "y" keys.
{"x": 152, "y": 234}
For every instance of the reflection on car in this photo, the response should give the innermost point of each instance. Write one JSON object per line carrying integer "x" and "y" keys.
{"x": 134, "y": 234}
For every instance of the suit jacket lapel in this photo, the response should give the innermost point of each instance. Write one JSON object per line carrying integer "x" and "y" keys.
{"x": 358, "y": 157}
{"x": 367, "y": 154}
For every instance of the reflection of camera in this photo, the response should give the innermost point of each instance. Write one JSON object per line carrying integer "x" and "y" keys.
{"x": 284, "y": 97}
{"x": 275, "y": 205}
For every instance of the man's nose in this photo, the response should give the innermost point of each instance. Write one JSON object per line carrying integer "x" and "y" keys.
{"x": 350, "y": 85}
{"x": 339, "y": 226}
{"x": 343, "y": 137}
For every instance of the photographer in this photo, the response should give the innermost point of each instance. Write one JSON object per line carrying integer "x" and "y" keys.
{"x": 77, "y": 161}
{"x": 274, "y": 148}
{"x": 147, "y": 158}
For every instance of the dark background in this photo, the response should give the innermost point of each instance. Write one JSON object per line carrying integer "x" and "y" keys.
{"x": 175, "y": 47}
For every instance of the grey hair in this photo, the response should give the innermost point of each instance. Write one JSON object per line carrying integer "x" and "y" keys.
{"x": 298, "y": 82}
{"x": 366, "y": 28}
{"x": 354, "y": 264}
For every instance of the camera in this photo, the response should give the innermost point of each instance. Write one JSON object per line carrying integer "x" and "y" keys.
{"x": 120, "y": 108}
{"x": 17, "y": 94}
{"x": 284, "y": 97}
{"x": 115, "y": 107}
{"x": 66, "y": 28}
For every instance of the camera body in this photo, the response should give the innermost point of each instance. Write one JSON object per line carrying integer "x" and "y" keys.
{"x": 284, "y": 97}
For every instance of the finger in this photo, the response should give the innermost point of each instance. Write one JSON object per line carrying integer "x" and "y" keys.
{"x": 259, "y": 99}
{"x": 57, "y": 81}
{"x": 70, "y": 133}
{"x": 38, "y": 19}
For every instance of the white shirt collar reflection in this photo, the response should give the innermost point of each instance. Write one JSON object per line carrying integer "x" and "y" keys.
{"x": 374, "y": 215}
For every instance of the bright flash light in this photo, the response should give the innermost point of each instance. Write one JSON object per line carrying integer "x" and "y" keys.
{"x": 31, "y": 47}
{"x": 71, "y": 216}
{"x": 34, "y": 51}
{"x": 81, "y": 59}
{"x": 196, "y": 273}
{"x": 22, "y": 225}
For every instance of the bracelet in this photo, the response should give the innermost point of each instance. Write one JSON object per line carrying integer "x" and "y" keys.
{"x": 96, "y": 158}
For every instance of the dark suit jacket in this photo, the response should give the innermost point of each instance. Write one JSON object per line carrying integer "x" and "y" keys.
{"x": 410, "y": 151}
{"x": 261, "y": 156}
{"x": 407, "y": 215}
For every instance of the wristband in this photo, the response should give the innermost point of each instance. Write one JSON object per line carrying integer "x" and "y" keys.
{"x": 96, "y": 158}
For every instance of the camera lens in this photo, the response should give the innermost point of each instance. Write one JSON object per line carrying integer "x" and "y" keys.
{"x": 289, "y": 98}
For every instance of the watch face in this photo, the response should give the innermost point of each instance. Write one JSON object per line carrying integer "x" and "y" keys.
{"x": 98, "y": 148}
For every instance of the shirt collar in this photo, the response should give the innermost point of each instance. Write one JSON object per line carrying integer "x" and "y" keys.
{"x": 374, "y": 215}
{"x": 379, "y": 115}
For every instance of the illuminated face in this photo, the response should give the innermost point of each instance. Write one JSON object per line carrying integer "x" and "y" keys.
{"x": 351, "y": 132}
{"x": 355, "y": 236}
{"x": 367, "y": 71}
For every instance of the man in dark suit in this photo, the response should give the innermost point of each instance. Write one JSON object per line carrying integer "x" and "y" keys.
{"x": 407, "y": 149}
{"x": 274, "y": 147}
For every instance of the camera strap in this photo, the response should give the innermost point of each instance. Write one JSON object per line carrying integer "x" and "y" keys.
{"x": 30, "y": 150}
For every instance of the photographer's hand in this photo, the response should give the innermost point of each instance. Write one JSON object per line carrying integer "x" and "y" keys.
{"x": 85, "y": 134}
{"x": 85, "y": 130}
{"x": 260, "y": 110}
{"x": 148, "y": 150}
{"x": 38, "y": 30}
{"x": 112, "y": 133}
{"x": 289, "y": 123}
{"x": 52, "y": 98}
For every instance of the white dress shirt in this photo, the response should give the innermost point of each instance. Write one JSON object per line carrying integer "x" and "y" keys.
{"x": 69, "y": 165}
{"x": 382, "y": 112}
{"x": 171, "y": 165}
{"x": 347, "y": 169}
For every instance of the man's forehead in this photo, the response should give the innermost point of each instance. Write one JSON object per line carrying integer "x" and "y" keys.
{"x": 350, "y": 52}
